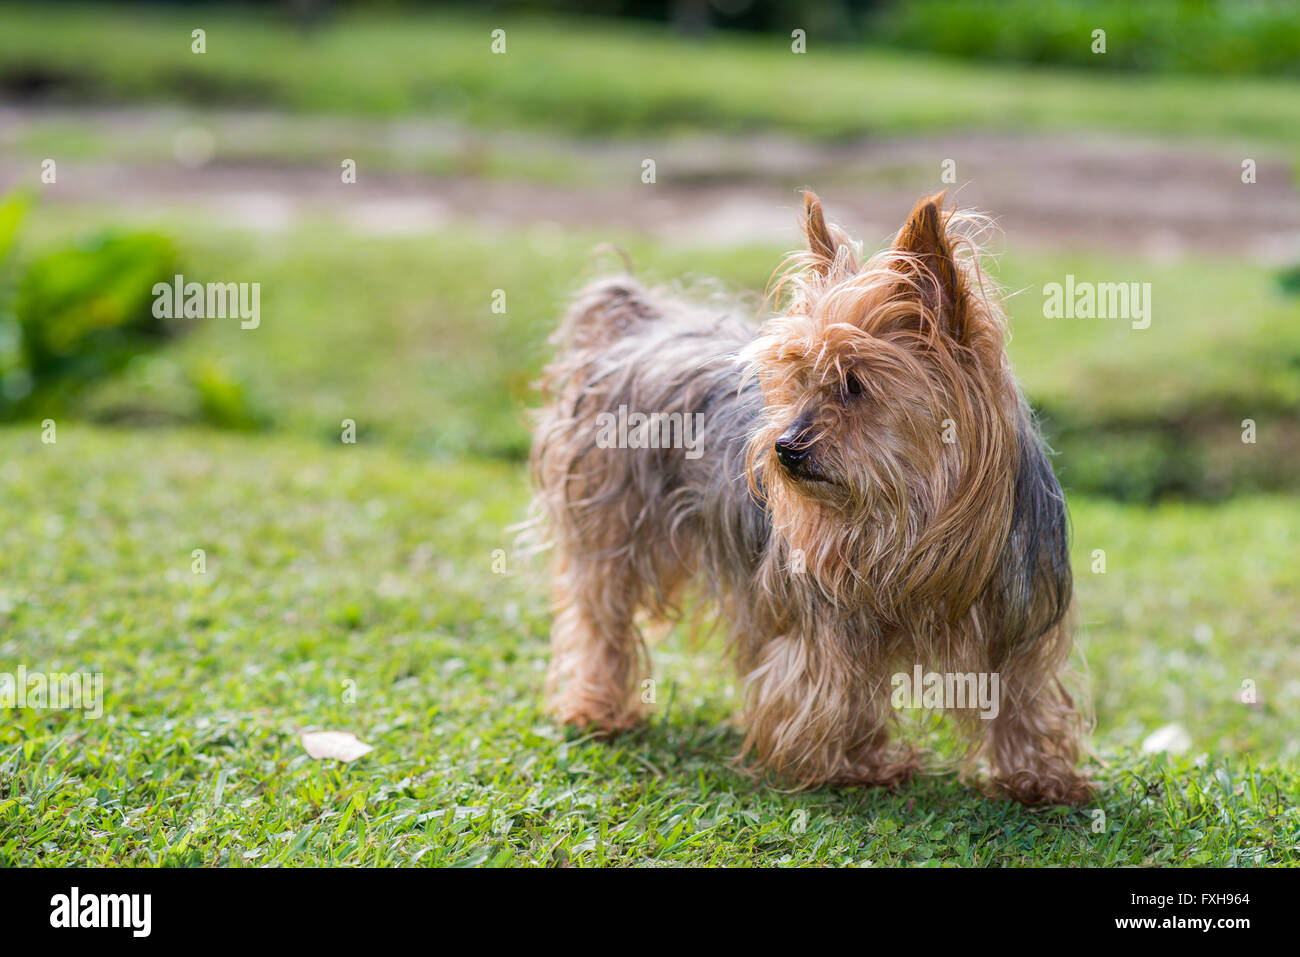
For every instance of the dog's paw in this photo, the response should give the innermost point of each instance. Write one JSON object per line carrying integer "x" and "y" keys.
{"x": 889, "y": 770}
{"x": 1065, "y": 787}
{"x": 594, "y": 714}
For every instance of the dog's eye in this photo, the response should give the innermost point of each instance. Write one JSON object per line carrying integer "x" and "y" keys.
{"x": 852, "y": 385}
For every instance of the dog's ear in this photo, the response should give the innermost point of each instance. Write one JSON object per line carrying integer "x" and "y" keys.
{"x": 932, "y": 273}
{"x": 829, "y": 247}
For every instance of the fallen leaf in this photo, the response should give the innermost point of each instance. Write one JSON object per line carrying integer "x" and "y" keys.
{"x": 342, "y": 745}
{"x": 1172, "y": 738}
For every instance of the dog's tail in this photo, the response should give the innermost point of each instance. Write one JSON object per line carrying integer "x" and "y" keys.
{"x": 605, "y": 311}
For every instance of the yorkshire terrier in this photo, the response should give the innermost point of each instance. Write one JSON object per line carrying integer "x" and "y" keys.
{"x": 869, "y": 494}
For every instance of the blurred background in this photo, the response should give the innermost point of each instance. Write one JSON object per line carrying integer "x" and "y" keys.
{"x": 126, "y": 157}
{"x": 479, "y": 170}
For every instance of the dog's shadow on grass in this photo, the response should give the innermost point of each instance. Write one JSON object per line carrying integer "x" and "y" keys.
{"x": 701, "y": 756}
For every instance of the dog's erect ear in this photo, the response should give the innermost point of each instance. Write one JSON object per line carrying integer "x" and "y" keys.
{"x": 828, "y": 246}
{"x": 931, "y": 266}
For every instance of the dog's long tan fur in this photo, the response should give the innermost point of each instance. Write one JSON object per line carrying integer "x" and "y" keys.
{"x": 872, "y": 494}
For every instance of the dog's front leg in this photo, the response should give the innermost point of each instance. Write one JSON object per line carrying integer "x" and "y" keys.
{"x": 818, "y": 713}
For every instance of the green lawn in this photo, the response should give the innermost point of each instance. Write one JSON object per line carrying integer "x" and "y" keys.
{"x": 593, "y": 77}
{"x": 333, "y": 564}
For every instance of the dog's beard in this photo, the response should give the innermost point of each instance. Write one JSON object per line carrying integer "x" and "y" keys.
{"x": 846, "y": 536}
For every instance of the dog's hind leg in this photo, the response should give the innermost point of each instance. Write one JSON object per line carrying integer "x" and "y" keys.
{"x": 597, "y": 656}
{"x": 1036, "y": 739}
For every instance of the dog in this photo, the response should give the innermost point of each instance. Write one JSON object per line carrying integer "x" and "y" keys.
{"x": 868, "y": 492}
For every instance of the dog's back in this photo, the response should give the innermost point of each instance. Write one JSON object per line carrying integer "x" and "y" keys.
{"x": 639, "y": 451}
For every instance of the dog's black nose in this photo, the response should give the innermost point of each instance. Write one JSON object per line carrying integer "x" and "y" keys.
{"x": 791, "y": 449}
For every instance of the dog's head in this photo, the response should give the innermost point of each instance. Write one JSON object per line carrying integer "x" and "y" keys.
{"x": 886, "y": 450}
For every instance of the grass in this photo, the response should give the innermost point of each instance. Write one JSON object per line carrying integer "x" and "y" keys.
{"x": 1211, "y": 36}
{"x": 596, "y": 77}
{"x": 336, "y": 564}
{"x": 146, "y": 135}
